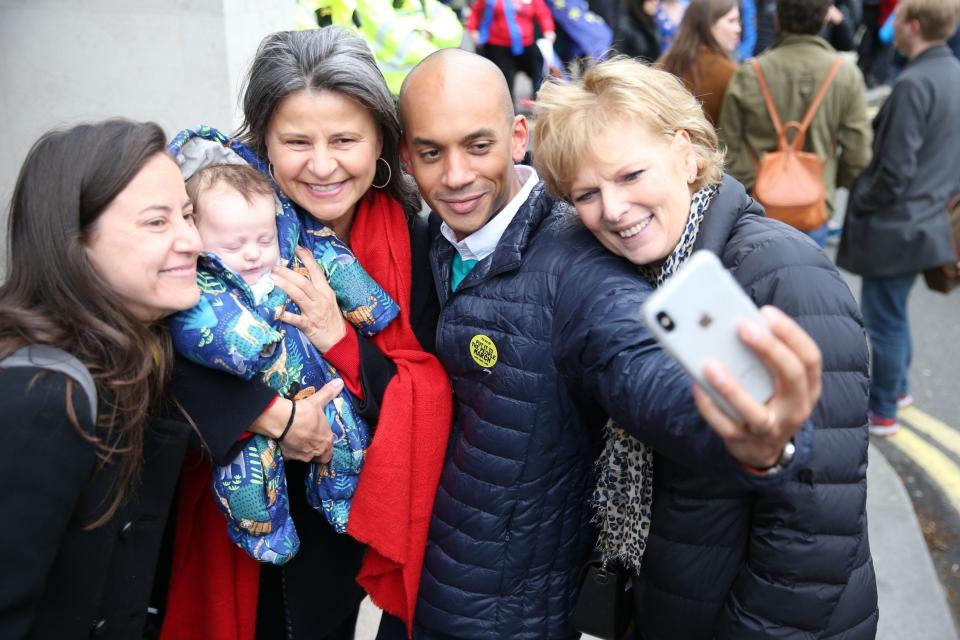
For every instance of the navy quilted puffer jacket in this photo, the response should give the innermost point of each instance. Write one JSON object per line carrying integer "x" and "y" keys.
{"x": 794, "y": 562}
{"x": 510, "y": 525}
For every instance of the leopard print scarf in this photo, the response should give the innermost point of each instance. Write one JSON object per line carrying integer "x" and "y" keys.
{"x": 623, "y": 498}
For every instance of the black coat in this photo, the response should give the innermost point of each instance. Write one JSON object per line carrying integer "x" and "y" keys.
{"x": 793, "y": 562}
{"x": 60, "y": 581}
{"x": 511, "y": 522}
{"x": 324, "y": 569}
{"x": 636, "y": 36}
{"x": 896, "y": 222}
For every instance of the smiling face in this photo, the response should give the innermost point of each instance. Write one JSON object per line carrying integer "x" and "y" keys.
{"x": 145, "y": 246}
{"x": 324, "y": 148}
{"x": 635, "y": 197}
{"x": 726, "y": 30}
{"x": 461, "y": 140}
{"x": 243, "y": 234}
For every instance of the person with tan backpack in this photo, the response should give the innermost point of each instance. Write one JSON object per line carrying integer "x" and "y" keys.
{"x": 794, "y": 121}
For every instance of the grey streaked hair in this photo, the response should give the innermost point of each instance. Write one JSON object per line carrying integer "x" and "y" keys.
{"x": 331, "y": 59}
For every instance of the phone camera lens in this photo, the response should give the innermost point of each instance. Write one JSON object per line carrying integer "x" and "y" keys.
{"x": 665, "y": 321}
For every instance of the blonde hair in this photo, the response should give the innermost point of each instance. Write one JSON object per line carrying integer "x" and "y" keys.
{"x": 937, "y": 18}
{"x": 570, "y": 117}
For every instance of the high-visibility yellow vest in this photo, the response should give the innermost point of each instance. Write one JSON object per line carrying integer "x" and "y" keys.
{"x": 400, "y": 33}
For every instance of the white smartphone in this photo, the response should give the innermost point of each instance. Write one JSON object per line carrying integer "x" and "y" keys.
{"x": 695, "y": 316}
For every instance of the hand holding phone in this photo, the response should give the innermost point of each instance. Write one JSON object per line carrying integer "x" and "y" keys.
{"x": 773, "y": 373}
{"x": 696, "y": 315}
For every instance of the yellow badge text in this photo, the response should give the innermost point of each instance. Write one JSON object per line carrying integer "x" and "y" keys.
{"x": 483, "y": 351}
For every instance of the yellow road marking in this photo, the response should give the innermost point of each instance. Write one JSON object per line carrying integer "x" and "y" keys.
{"x": 945, "y": 435}
{"x": 940, "y": 469}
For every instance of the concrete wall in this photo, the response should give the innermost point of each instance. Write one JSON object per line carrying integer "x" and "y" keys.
{"x": 177, "y": 62}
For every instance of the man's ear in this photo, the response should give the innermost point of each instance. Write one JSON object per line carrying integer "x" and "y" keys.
{"x": 405, "y": 157}
{"x": 519, "y": 138}
{"x": 915, "y": 27}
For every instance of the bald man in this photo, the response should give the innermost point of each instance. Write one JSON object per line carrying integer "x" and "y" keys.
{"x": 540, "y": 334}
{"x": 464, "y": 142}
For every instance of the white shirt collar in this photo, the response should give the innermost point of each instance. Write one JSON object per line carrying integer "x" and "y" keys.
{"x": 482, "y": 242}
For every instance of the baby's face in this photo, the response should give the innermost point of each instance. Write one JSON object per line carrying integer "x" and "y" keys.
{"x": 241, "y": 233}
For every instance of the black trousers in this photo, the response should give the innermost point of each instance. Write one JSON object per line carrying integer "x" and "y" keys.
{"x": 314, "y": 596}
{"x": 391, "y": 628}
{"x": 529, "y": 62}
{"x": 873, "y": 56}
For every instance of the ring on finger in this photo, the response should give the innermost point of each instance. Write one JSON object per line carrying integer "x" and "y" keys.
{"x": 771, "y": 420}
{"x": 768, "y": 423}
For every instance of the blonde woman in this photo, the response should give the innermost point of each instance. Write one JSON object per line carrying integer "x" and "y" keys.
{"x": 630, "y": 148}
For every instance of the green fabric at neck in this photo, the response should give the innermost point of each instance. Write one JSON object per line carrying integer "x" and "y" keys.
{"x": 461, "y": 268}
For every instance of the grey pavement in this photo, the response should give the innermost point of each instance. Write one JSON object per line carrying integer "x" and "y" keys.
{"x": 912, "y": 602}
{"x": 913, "y": 605}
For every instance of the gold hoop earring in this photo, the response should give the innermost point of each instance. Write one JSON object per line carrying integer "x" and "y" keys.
{"x": 270, "y": 172}
{"x": 389, "y": 174}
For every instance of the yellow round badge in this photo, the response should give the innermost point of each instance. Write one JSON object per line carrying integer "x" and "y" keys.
{"x": 483, "y": 351}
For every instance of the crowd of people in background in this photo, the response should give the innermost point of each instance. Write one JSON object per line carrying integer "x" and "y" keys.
{"x": 539, "y": 37}
{"x": 468, "y": 281}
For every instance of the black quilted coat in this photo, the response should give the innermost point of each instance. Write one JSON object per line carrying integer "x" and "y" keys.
{"x": 794, "y": 562}
{"x": 542, "y": 340}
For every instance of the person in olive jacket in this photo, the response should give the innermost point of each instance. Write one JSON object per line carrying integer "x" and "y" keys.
{"x": 794, "y": 68}
{"x": 896, "y": 226}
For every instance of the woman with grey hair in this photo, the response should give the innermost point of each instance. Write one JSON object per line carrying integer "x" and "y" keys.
{"x": 318, "y": 114}
{"x": 631, "y": 149}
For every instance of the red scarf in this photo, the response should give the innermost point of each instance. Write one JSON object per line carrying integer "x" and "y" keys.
{"x": 214, "y": 585}
{"x": 394, "y": 500}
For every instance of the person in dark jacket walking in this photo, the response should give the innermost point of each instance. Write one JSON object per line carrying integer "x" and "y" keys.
{"x": 840, "y": 26}
{"x": 896, "y": 224}
{"x": 518, "y": 286}
{"x": 635, "y": 32}
{"x": 102, "y": 247}
{"x": 629, "y": 147}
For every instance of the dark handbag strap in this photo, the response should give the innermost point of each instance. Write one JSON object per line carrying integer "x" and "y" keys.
{"x": 801, "y": 127}
{"x": 42, "y": 356}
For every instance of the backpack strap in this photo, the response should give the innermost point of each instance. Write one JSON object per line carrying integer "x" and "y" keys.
{"x": 767, "y": 98}
{"x": 817, "y": 99}
{"x": 42, "y": 356}
{"x": 801, "y": 127}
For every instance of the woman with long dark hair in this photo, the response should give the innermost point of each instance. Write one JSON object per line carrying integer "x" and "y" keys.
{"x": 101, "y": 248}
{"x": 702, "y": 53}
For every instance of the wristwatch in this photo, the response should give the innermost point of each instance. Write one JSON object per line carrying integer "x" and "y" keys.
{"x": 786, "y": 457}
